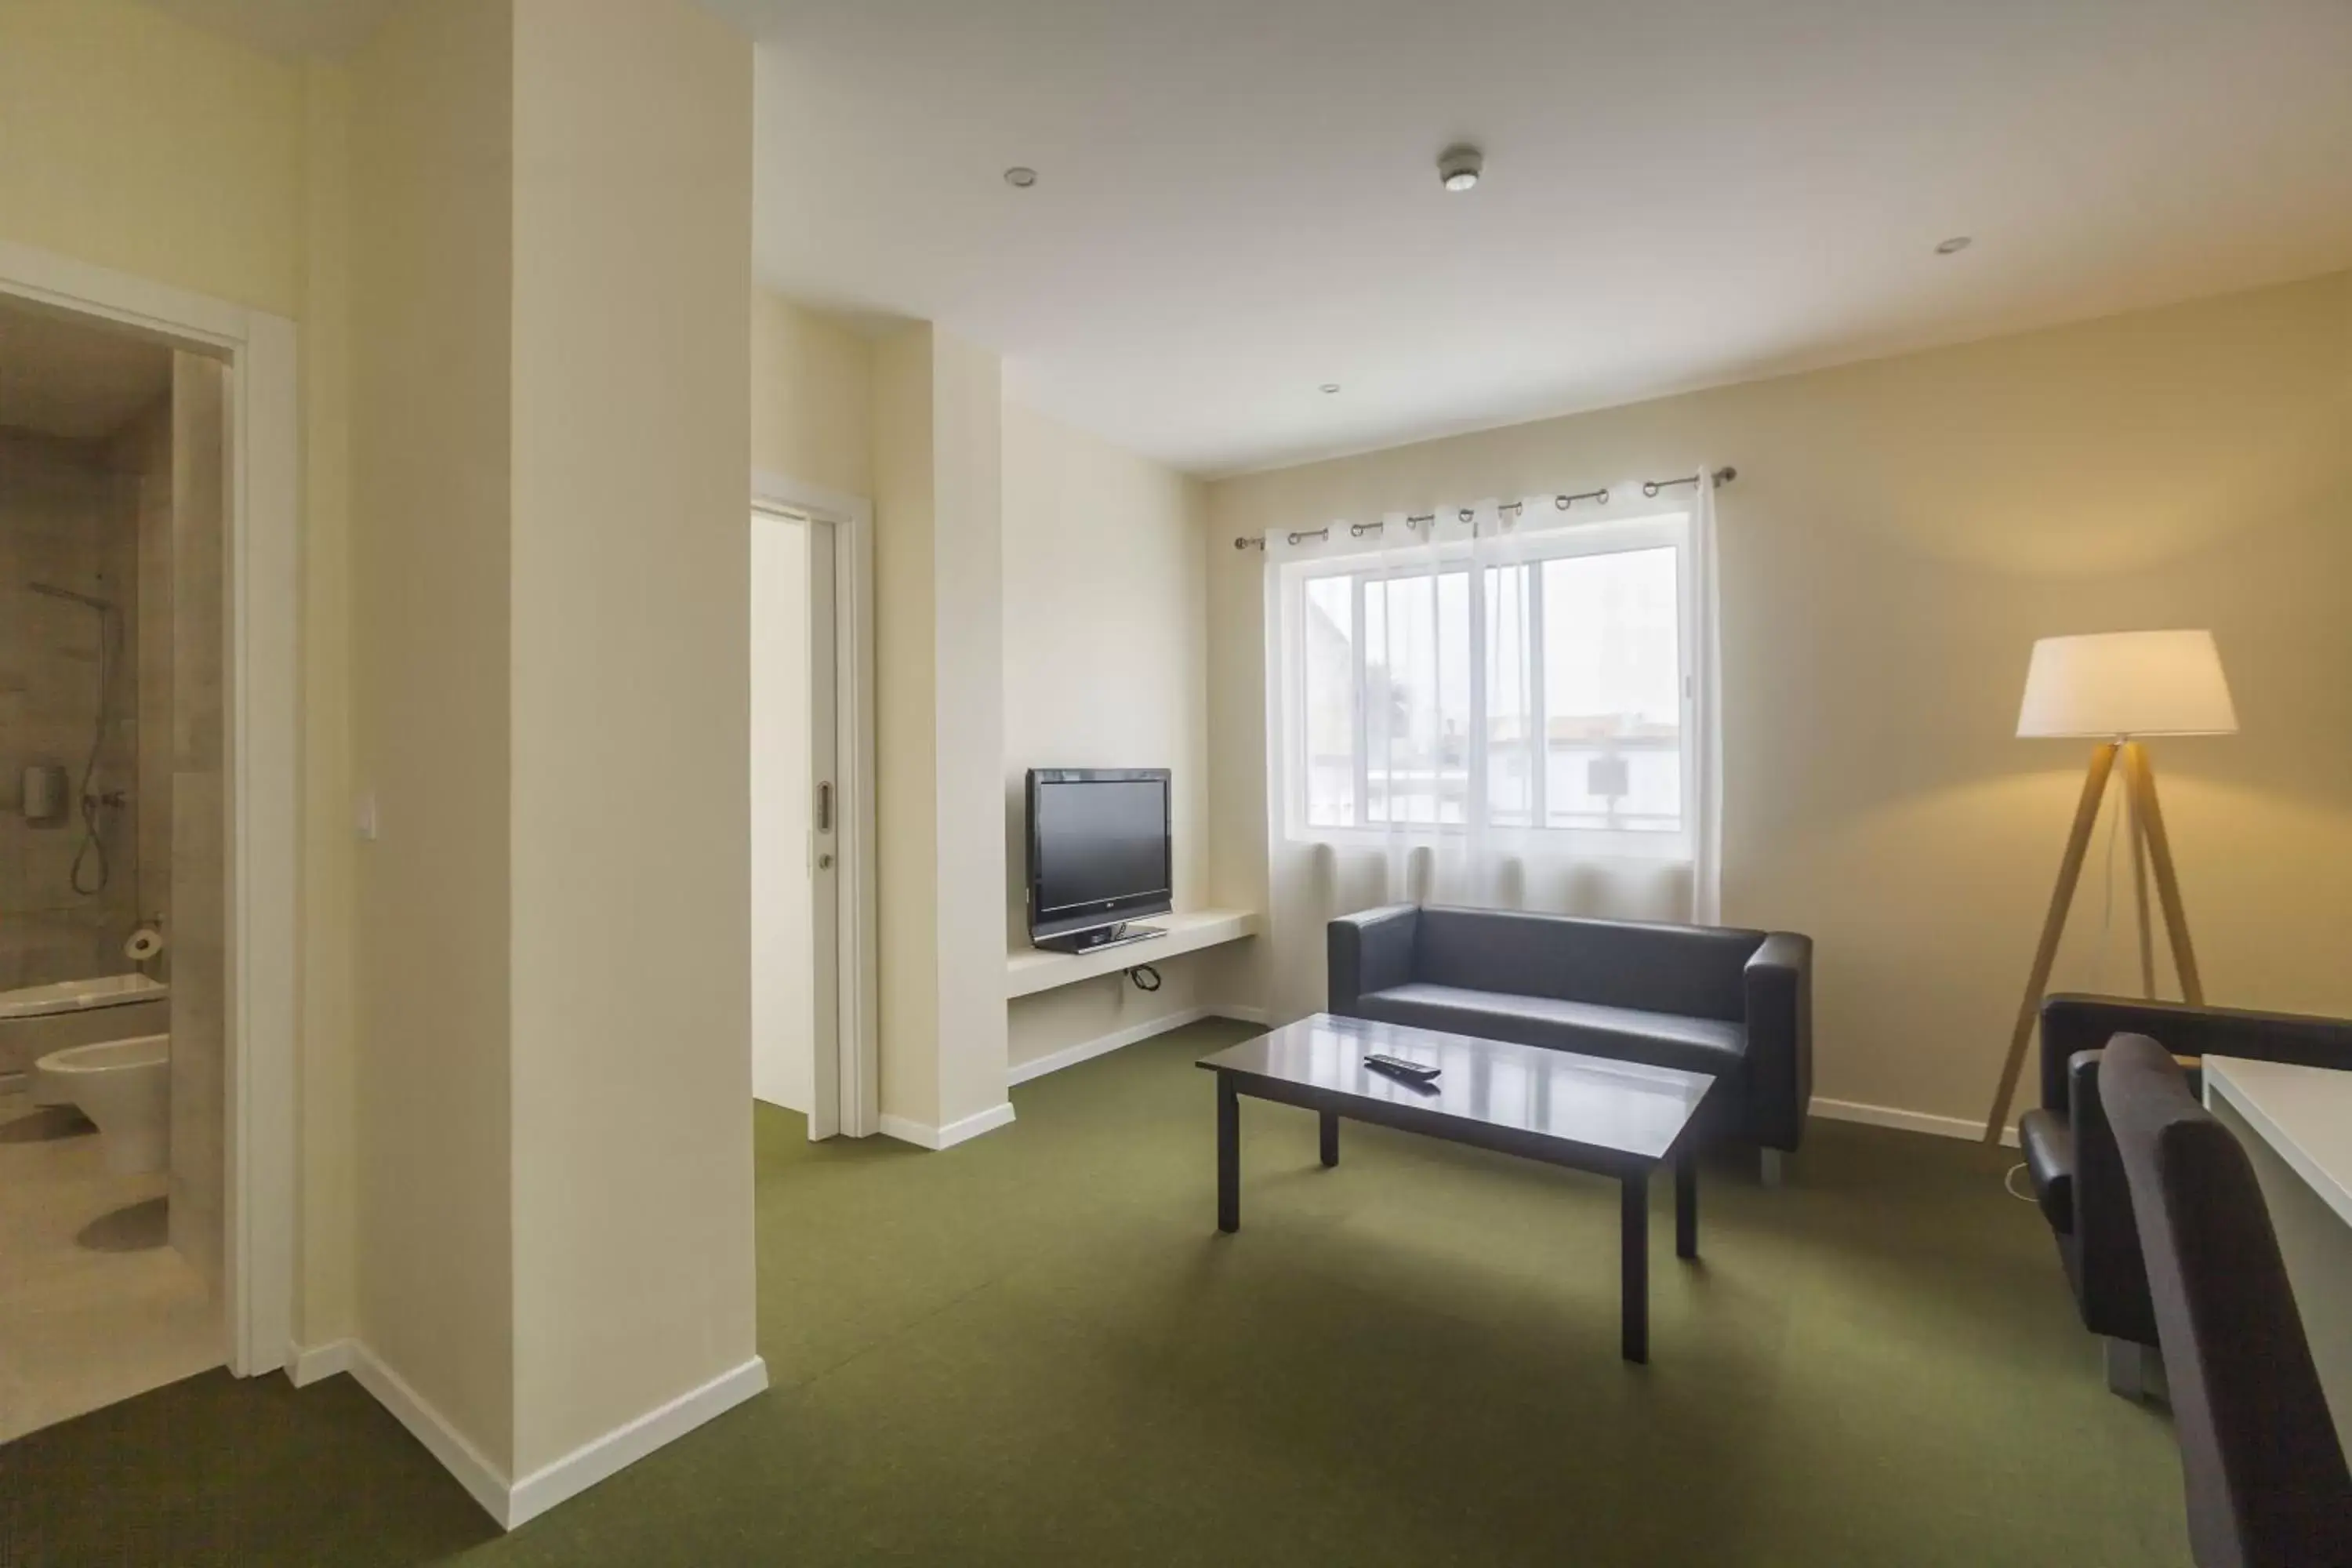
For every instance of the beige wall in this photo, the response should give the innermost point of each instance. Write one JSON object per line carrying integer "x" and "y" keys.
{"x": 143, "y": 144}
{"x": 1105, "y": 665}
{"x": 431, "y": 490}
{"x": 326, "y": 1244}
{"x": 940, "y": 726}
{"x": 137, "y": 142}
{"x": 631, "y": 1066}
{"x": 378, "y": 205}
{"x": 1899, "y": 533}
{"x": 811, "y": 397}
{"x": 905, "y": 745}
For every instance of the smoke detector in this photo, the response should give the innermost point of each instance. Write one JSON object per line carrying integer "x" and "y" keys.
{"x": 1459, "y": 167}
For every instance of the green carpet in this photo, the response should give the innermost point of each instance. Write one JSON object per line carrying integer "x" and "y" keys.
{"x": 1035, "y": 1349}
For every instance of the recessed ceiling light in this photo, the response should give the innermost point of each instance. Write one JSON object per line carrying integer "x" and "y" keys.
{"x": 1954, "y": 246}
{"x": 1330, "y": 386}
{"x": 1020, "y": 178}
{"x": 1460, "y": 166}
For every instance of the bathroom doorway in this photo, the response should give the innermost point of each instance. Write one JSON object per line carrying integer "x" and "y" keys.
{"x": 114, "y": 516}
{"x": 813, "y": 1002}
{"x": 259, "y": 667}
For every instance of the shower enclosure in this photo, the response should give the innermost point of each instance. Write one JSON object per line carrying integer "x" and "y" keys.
{"x": 71, "y": 540}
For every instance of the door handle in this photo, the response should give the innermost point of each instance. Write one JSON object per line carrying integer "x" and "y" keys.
{"x": 824, "y": 806}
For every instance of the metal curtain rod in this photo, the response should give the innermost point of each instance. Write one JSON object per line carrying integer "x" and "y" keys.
{"x": 1421, "y": 519}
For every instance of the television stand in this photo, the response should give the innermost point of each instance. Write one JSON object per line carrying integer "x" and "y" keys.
{"x": 1100, "y": 937}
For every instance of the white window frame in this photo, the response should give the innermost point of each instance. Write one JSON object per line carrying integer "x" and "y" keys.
{"x": 1668, "y": 529}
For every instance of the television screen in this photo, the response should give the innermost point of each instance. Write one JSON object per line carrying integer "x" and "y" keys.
{"x": 1098, "y": 847}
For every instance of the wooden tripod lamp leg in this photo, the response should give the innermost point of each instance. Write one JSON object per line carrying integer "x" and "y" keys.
{"x": 2139, "y": 881}
{"x": 2140, "y": 778}
{"x": 2053, "y": 926}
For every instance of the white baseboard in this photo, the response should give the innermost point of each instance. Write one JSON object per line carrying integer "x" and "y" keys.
{"x": 1087, "y": 1050}
{"x": 306, "y": 1364}
{"x": 1909, "y": 1120}
{"x": 925, "y": 1136}
{"x": 513, "y": 1503}
{"x": 623, "y": 1445}
{"x": 481, "y": 1480}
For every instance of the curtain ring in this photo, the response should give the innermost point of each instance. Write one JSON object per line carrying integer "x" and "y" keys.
{"x": 1650, "y": 487}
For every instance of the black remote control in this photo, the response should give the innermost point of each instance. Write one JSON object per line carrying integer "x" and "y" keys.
{"x": 1419, "y": 1072}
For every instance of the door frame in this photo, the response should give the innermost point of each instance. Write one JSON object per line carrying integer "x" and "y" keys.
{"x": 262, "y": 610}
{"x": 857, "y": 988}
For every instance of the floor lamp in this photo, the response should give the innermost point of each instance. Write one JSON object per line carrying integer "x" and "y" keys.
{"x": 2119, "y": 686}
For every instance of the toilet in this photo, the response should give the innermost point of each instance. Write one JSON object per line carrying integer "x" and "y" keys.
{"x": 124, "y": 1086}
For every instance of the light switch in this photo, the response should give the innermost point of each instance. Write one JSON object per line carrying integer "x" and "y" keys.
{"x": 363, "y": 818}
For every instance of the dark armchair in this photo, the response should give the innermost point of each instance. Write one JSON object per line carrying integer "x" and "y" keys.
{"x": 2070, "y": 1151}
{"x": 1737, "y": 1004}
{"x": 2262, "y": 1468}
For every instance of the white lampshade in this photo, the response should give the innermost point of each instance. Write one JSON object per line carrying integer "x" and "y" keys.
{"x": 2127, "y": 683}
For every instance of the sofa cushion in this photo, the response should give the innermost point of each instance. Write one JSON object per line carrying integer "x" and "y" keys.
{"x": 1621, "y": 1034}
{"x": 1687, "y": 971}
{"x": 2049, "y": 1145}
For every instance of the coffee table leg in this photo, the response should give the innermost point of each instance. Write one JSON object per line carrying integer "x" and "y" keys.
{"x": 1229, "y": 1155}
{"x": 1686, "y": 1204}
{"x": 1636, "y": 1263}
{"x": 1330, "y": 1138}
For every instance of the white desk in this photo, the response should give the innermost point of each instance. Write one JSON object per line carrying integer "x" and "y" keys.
{"x": 2296, "y": 1125}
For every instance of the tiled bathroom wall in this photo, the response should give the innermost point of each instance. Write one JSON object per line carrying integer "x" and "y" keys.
{"x": 64, "y": 519}
{"x": 142, "y": 455}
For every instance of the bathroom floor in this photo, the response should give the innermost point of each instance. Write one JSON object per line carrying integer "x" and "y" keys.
{"x": 94, "y": 1304}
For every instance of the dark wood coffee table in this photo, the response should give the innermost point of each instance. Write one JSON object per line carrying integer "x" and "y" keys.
{"x": 1615, "y": 1119}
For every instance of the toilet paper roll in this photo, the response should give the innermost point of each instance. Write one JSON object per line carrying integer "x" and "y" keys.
{"x": 144, "y": 943}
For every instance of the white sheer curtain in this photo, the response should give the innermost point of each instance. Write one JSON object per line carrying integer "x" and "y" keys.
{"x": 1514, "y": 706}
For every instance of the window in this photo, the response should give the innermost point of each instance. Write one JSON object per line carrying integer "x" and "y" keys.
{"x": 1541, "y": 685}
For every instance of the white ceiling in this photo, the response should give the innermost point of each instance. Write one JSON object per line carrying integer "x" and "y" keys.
{"x": 60, "y": 378}
{"x": 1238, "y": 201}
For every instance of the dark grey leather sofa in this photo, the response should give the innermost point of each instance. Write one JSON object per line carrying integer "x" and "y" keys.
{"x": 1737, "y": 1004}
{"x": 2071, "y": 1156}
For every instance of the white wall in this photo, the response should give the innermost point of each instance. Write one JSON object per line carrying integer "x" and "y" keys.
{"x": 1105, "y": 628}
{"x": 783, "y": 972}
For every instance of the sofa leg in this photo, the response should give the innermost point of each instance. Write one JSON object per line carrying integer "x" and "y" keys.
{"x": 2127, "y": 1368}
{"x": 1767, "y": 1166}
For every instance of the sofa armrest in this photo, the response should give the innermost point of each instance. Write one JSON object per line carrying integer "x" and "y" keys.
{"x": 1369, "y": 952}
{"x": 1779, "y": 984}
{"x": 2110, "y": 1274}
{"x": 2073, "y": 1024}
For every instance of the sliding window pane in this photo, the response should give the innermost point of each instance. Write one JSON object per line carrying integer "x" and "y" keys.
{"x": 1511, "y": 719}
{"x": 1327, "y": 642}
{"x": 1612, "y": 691}
{"x": 1417, "y": 697}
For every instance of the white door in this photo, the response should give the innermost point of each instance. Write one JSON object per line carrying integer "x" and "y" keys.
{"x": 794, "y": 812}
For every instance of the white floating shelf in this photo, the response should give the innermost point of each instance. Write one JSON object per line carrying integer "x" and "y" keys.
{"x": 1029, "y": 970}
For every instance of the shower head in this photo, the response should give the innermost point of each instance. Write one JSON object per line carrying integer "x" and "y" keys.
{"x": 49, "y": 590}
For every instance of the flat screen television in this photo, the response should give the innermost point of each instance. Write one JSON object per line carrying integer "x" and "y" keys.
{"x": 1098, "y": 853}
